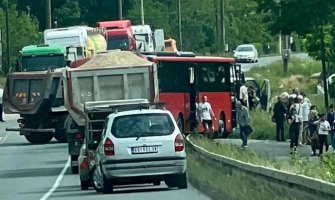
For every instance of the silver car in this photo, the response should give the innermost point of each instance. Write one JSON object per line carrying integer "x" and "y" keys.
{"x": 140, "y": 146}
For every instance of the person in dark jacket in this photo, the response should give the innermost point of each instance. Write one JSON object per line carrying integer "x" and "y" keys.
{"x": 279, "y": 113}
{"x": 330, "y": 119}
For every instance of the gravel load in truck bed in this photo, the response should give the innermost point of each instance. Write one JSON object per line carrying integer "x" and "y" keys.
{"x": 114, "y": 59}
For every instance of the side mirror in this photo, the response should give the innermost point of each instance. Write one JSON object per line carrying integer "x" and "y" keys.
{"x": 191, "y": 74}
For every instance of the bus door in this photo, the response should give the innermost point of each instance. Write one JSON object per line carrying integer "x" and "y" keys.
{"x": 193, "y": 99}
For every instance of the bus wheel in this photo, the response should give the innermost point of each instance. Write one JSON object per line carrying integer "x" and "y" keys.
{"x": 222, "y": 133}
{"x": 180, "y": 123}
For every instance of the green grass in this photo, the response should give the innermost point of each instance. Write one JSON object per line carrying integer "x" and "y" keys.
{"x": 276, "y": 75}
{"x": 225, "y": 182}
{"x": 325, "y": 170}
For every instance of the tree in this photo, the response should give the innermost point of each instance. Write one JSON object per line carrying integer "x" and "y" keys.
{"x": 23, "y": 30}
{"x": 69, "y": 14}
{"x": 306, "y": 18}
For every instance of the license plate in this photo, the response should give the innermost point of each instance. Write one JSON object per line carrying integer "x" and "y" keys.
{"x": 142, "y": 150}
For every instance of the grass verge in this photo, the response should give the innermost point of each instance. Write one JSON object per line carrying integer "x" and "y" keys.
{"x": 224, "y": 182}
{"x": 325, "y": 170}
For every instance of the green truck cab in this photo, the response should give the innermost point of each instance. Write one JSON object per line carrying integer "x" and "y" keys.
{"x": 34, "y": 91}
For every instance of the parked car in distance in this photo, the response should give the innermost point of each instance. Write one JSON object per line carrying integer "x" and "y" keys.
{"x": 246, "y": 53}
{"x": 140, "y": 146}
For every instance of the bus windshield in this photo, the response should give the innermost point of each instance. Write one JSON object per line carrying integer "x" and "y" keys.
{"x": 118, "y": 42}
{"x": 209, "y": 77}
{"x": 41, "y": 63}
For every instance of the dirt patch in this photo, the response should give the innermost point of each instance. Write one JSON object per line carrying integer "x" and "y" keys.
{"x": 294, "y": 81}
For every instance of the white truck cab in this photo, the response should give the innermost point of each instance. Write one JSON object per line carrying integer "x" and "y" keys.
{"x": 147, "y": 40}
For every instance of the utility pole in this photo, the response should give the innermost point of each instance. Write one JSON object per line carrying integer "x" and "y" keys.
{"x": 48, "y": 13}
{"x": 179, "y": 26}
{"x": 7, "y": 37}
{"x": 120, "y": 9}
{"x": 142, "y": 13}
{"x": 324, "y": 71}
{"x": 223, "y": 40}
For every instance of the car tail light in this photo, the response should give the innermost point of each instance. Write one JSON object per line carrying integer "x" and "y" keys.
{"x": 79, "y": 135}
{"x": 84, "y": 164}
{"x": 179, "y": 143}
{"x": 109, "y": 147}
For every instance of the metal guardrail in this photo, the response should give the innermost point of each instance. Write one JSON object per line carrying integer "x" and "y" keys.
{"x": 302, "y": 182}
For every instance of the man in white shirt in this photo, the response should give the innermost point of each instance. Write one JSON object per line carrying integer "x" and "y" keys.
{"x": 304, "y": 111}
{"x": 205, "y": 114}
{"x": 1, "y": 110}
{"x": 244, "y": 95}
{"x": 323, "y": 129}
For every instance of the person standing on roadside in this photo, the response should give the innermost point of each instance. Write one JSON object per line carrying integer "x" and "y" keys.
{"x": 305, "y": 107}
{"x": 330, "y": 119}
{"x": 323, "y": 129}
{"x": 1, "y": 108}
{"x": 244, "y": 96}
{"x": 243, "y": 120}
{"x": 293, "y": 121}
{"x": 279, "y": 113}
{"x": 313, "y": 117}
{"x": 205, "y": 114}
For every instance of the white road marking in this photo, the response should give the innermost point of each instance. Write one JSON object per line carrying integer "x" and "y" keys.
{"x": 59, "y": 179}
{"x": 3, "y": 139}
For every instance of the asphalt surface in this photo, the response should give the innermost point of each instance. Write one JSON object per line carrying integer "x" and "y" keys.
{"x": 41, "y": 172}
{"x": 264, "y": 61}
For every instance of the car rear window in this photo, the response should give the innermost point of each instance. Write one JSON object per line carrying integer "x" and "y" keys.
{"x": 142, "y": 125}
{"x": 244, "y": 49}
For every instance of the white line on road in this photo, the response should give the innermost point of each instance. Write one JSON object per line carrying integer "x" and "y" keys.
{"x": 59, "y": 179}
{"x": 3, "y": 139}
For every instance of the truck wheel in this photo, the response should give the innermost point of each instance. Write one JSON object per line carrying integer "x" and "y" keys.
{"x": 39, "y": 138}
{"x": 84, "y": 185}
{"x": 61, "y": 137}
{"x": 74, "y": 168}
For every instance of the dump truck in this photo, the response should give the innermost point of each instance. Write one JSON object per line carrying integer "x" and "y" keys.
{"x": 80, "y": 41}
{"x": 34, "y": 90}
{"x": 148, "y": 40}
{"x": 118, "y": 75}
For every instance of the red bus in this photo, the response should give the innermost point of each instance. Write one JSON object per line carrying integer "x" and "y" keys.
{"x": 185, "y": 78}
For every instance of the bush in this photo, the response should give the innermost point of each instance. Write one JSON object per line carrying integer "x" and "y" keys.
{"x": 259, "y": 47}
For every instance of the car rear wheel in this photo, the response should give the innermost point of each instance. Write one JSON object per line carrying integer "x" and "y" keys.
{"x": 107, "y": 185}
{"x": 181, "y": 181}
{"x": 39, "y": 138}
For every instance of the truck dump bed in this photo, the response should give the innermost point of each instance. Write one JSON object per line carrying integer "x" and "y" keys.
{"x": 31, "y": 92}
{"x": 108, "y": 76}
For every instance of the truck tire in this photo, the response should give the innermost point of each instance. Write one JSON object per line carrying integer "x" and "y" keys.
{"x": 39, "y": 138}
{"x": 61, "y": 136}
{"x": 74, "y": 169}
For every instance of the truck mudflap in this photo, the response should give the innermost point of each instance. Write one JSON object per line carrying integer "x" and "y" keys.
{"x": 23, "y": 131}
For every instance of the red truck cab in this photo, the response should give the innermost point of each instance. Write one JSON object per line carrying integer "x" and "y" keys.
{"x": 119, "y": 35}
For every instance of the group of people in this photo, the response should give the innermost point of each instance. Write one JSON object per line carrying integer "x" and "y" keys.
{"x": 206, "y": 117}
{"x": 306, "y": 125}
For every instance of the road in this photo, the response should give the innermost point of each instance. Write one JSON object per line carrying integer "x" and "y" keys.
{"x": 264, "y": 61}
{"x": 41, "y": 172}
